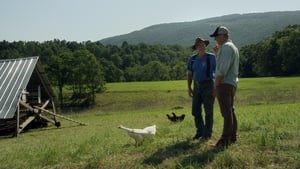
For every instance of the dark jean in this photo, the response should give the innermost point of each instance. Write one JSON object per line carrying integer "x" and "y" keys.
{"x": 202, "y": 95}
{"x": 225, "y": 95}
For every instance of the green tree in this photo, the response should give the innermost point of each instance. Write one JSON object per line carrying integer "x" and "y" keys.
{"x": 111, "y": 72}
{"x": 155, "y": 71}
{"x": 134, "y": 73}
{"x": 59, "y": 70}
{"x": 288, "y": 41}
{"x": 88, "y": 77}
{"x": 275, "y": 56}
{"x": 248, "y": 61}
{"x": 95, "y": 78}
{"x": 178, "y": 71}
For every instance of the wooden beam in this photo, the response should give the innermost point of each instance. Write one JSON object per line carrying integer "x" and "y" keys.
{"x": 45, "y": 104}
{"x": 36, "y": 111}
{"x": 25, "y": 123}
{"x": 54, "y": 109}
{"x": 26, "y": 105}
{"x": 39, "y": 94}
{"x": 61, "y": 116}
{"x": 46, "y": 118}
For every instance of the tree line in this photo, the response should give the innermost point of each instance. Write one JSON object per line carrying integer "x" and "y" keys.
{"x": 278, "y": 55}
{"x": 84, "y": 67}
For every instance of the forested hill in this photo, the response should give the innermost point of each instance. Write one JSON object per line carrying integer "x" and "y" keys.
{"x": 245, "y": 29}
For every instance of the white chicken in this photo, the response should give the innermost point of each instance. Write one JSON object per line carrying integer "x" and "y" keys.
{"x": 140, "y": 134}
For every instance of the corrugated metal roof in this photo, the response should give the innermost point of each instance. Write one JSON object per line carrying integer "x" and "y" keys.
{"x": 14, "y": 77}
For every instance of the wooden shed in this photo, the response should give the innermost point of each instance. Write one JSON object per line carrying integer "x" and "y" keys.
{"x": 26, "y": 96}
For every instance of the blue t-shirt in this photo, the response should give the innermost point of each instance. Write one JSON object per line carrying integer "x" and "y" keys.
{"x": 198, "y": 66}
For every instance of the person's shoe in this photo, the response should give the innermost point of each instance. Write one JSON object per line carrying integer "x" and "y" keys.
{"x": 233, "y": 140}
{"x": 197, "y": 136}
{"x": 222, "y": 143}
{"x": 206, "y": 137}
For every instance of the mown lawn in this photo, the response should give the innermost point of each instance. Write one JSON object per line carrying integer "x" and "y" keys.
{"x": 269, "y": 131}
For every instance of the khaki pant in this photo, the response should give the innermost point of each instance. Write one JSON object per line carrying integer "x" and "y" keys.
{"x": 225, "y": 95}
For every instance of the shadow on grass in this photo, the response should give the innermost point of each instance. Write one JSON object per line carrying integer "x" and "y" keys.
{"x": 191, "y": 149}
{"x": 170, "y": 151}
{"x": 37, "y": 130}
{"x": 200, "y": 159}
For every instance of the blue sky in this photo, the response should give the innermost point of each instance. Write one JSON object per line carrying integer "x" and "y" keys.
{"x": 82, "y": 20}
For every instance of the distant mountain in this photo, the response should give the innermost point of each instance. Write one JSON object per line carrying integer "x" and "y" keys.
{"x": 245, "y": 29}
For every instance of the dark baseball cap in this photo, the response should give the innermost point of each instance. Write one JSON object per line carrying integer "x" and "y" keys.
{"x": 221, "y": 30}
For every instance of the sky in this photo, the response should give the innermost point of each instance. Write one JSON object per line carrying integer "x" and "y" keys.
{"x": 92, "y": 20}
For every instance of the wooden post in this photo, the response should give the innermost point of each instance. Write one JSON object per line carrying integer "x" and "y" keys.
{"x": 17, "y": 121}
{"x": 54, "y": 110}
{"x": 39, "y": 95}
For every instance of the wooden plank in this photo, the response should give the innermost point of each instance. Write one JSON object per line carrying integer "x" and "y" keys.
{"x": 47, "y": 119}
{"x": 25, "y": 123}
{"x": 45, "y": 104}
{"x": 58, "y": 115}
{"x": 44, "y": 117}
{"x": 26, "y": 105}
{"x": 39, "y": 94}
{"x": 54, "y": 109}
{"x": 37, "y": 111}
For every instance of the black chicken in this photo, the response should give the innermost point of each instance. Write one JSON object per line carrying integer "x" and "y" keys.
{"x": 175, "y": 118}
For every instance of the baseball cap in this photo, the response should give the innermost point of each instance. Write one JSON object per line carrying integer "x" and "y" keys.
{"x": 221, "y": 30}
{"x": 199, "y": 39}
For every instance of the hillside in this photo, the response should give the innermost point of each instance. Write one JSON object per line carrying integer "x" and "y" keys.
{"x": 245, "y": 29}
{"x": 268, "y": 132}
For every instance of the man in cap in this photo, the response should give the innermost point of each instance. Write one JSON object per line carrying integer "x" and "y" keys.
{"x": 200, "y": 70}
{"x": 226, "y": 83}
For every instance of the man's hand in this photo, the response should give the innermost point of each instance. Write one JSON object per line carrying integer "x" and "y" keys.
{"x": 216, "y": 49}
{"x": 218, "y": 80}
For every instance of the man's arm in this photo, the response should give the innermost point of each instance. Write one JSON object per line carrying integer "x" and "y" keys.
{"x": 224, "y": 59}
{"x": 189, "y": 82}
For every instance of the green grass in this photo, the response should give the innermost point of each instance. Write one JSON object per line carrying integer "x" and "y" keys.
{"x": 269, "y": 131}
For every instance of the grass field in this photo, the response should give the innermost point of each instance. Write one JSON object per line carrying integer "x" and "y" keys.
{"x": 268, "y": 136}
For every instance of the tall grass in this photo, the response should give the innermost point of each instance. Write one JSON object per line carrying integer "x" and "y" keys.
{"x": 268, "y": 135}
